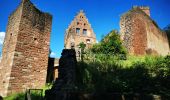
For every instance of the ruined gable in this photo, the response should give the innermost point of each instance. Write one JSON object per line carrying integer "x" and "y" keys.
{"x": 79, "y": 31}
{"x": 141, "y": 35}
{"x": 25, "y": 50}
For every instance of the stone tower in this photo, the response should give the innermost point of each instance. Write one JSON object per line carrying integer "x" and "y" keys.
{"x": 79, "y": 31}
{"x": 141, "y": 35}
{"x": 25, "y": 49}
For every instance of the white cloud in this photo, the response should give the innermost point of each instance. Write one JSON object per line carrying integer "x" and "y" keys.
{"x": 2, "y": 35}
{"x": 53, "y": 54}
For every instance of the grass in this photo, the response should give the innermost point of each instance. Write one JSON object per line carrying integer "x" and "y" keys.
{"x": 21, "y": 96}
{"x": 17, "y": 96}
{"x": 148, "y": 59}
{"x": 46, "y": 87}
{"x": 34, "y": 94}
{"x": 130, "y": 60}
{"x": 138, "y": 74}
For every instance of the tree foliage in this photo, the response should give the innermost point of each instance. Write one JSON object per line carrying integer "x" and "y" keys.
{"x": 82, "y": 47}
{"x": 110, "y": 44}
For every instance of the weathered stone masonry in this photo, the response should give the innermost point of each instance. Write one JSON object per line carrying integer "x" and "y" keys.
{"x": 79, "y": 31}
{"x": 141, "y": 35}
{"x": 25, "y": 49}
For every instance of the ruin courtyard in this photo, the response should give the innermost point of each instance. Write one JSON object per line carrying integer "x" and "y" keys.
{"x": 26, "y": 62}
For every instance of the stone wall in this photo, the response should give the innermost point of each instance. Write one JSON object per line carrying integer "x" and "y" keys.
{"x": 66, "y": 81}
{"x": 25, "y": 51}
{"x": 157, "y": 40}
{"x": 9, "y": 50}
{"x": 141, "y": 35}
{"x": 52, "y": 70}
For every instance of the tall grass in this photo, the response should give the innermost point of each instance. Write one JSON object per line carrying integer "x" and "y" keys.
{"x": 136, "y": 74}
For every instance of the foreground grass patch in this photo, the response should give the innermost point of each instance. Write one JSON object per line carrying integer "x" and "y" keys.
{"x": 18, "y": 96}
{"x": 35, "y": 95}
{"x": 136, "y": 74}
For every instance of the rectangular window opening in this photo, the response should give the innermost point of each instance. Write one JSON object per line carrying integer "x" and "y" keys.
{"x": 85, "y": 31}
{"x": 78, "y": 30}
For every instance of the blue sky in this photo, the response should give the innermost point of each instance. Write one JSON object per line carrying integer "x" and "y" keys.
{"x": 104, "y": 15}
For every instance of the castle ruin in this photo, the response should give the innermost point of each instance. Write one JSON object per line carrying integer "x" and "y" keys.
{"x": 79, "y": 31}
{"x": 141, "y": 35}
{"x": 26, "y": 45}
{"x": 25, "y": 50}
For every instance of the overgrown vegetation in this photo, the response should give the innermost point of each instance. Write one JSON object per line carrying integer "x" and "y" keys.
{"x": 110, "y": 45}
{"x": 103, "y": 71}
{"x": 106, "y": 68}
{"x": 150, "y": 75}
{"x": 22, "y": 96}
{"x": 18, "y": 96}
{"x": 35, "y": 95}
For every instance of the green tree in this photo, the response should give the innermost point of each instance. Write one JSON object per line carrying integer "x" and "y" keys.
{"x": 110, "y": 44}
{"x": 82, "y": 47}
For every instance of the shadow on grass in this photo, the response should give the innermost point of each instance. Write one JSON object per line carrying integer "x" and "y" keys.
{"x": 146, "y": 77}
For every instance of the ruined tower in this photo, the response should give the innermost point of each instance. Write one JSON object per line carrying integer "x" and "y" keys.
{"x": 25, "y": 49}
{"x": 141, "y": 35}
{"x": 79, "y": 31}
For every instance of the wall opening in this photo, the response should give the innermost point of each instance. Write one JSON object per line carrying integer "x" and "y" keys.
{"x": 78, "y": 30}
{"x": 88, "y": 41}
{"x": 85, "y": 31}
